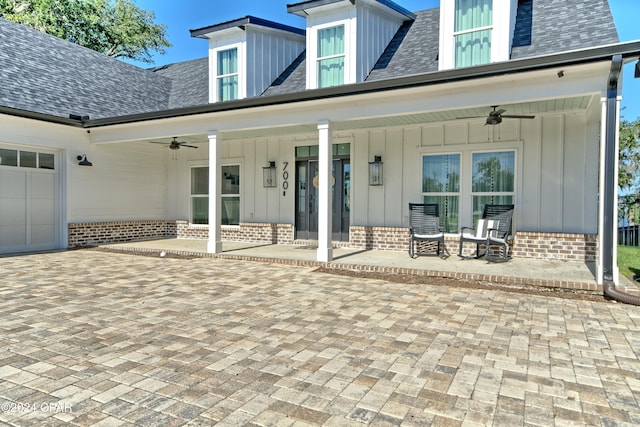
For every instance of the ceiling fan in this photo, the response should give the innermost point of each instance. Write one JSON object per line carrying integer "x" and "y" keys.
{"x": 495, "y": 117}
{"x": 174, "y": 144}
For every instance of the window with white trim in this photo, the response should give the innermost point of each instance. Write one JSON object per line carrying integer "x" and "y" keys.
{"x": 441, "y": 185}
{"x": 227, "y": 75}
{"x": 460, "y": 195}
{"x": 331, "y": 56}
{"x": 200, "y": 195}
{"x": 492, "y": 180}
{"x": 473, "y": 26}
{"x": 230, "y": 197}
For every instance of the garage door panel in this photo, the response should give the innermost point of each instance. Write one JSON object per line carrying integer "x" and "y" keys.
{"x": 42, "y": 235}
{"x": 12, "y": 236}
{"x": 42, "y": 212}
{"x": 42, "y": 186}
{"x": 13, "y": 212}
{"x": 13, "y": 184}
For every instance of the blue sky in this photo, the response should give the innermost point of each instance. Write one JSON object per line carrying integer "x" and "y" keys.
{"x": 181, "y": 16}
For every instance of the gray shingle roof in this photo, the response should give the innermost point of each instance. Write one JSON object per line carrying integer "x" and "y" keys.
{"x": 552, "y": 26}
{"x": 542, "y": 27}
{"x": 190, "y": 82}
{"x": 413, "y": 50}
{"x": 43, "y": 74}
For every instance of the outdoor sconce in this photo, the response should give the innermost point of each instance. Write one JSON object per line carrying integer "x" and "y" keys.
{"x": 82, "y": 161}
{"x": 375, "y": 171}
{"x": 269, "y": 175}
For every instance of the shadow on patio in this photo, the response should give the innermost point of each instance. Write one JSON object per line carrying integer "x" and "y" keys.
{"x": 561, "y": 274}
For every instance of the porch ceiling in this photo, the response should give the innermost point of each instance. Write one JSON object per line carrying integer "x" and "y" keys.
{"x": 548, "y": 106}
{"x": 527, "y": 108}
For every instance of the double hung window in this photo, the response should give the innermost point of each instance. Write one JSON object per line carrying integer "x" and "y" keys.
{"x": 230, "y": 197}
{"x": 331, "y": 56}
{"x": 200, "y": 195}
{"x": 227, "y": 75}
{"x": 472, "y": 32}
{"x": 491, "y": 180}
{"x": 441, "y": 185}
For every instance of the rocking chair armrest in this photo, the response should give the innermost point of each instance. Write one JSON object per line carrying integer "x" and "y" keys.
{"x": 504, "y": 237}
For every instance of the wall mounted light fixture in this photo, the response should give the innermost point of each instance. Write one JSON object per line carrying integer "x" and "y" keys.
{"x": 269, "y": 175}
{"x": 375, "y": 171}
{"x": 82, "y": 160}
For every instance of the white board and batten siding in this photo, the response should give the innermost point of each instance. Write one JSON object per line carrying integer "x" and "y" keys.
{"x": 556, "y": 170}
{"x": 269, "y": 53}
{"x": 374, "y": 32}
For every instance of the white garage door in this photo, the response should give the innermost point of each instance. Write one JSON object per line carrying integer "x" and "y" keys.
{"x": 29, "y": 200}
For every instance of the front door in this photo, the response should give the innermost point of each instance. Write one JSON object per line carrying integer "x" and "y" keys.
{"x": 307, "y": 202}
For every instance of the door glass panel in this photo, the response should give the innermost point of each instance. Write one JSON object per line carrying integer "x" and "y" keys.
{"x": 8, "y": 157}
{"x": 28, "y": 159}
{"x": 346, "y": 203}
{"x": 302, "y": 188}
{"x": 46, "y": 161}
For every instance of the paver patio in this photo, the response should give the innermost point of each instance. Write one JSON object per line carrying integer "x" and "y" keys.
{"x": 91, "y": 338}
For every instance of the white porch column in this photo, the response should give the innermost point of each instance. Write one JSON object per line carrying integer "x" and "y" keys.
{"x": 214, "y": 245}
{"x": 325, "y": 183}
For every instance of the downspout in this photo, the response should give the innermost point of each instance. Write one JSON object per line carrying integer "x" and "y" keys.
{"x": 610, "y": 187}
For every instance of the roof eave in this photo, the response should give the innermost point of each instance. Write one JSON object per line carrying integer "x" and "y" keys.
{"x": 300, "y": 8}
{"x": 242, "y": 23}
{"x": 10, "y": 111}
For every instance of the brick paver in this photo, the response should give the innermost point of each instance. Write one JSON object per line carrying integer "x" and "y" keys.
{"x": 98, "y": 339}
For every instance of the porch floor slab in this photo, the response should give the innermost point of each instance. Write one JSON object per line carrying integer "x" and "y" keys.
{"x": 519, "y": 271}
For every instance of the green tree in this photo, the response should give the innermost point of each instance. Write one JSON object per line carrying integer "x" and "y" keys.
{"x": 629, "y": 154}
{"x": 116, "y": 28}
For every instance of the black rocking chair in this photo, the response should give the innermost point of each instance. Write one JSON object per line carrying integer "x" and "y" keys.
{"x": 424, "y": 226}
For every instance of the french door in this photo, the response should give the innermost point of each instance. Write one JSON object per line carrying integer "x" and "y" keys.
{"x": 307, "y": 202}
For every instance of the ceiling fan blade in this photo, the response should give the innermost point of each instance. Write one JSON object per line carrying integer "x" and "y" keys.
{"x": 497, "y": 112}
{"x": 517, "y": 116}
{"x": 187, "y": 145}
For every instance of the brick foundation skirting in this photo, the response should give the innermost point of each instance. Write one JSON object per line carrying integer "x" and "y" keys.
{"x": 245, "y": 232}
{"x": 562, "y": 246}
{"x": 99, "y": 233}
{"x": 552, "y": 246}
{"x": 534, "y": 245}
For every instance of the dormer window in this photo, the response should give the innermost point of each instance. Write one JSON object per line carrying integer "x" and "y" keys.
{"x": 227, "y": 75}
{"x": 475, "y": 32}
{"x": 472, "y": 32}
{"x": 246, "y": 55}
{"x": 331, "y": 56}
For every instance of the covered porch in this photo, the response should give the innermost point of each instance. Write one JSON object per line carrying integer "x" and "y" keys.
{"x": 556, "y": 160}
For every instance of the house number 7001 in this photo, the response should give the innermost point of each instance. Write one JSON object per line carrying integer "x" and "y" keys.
{"x": 285, "y": 177}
